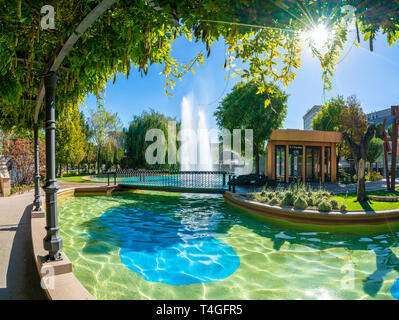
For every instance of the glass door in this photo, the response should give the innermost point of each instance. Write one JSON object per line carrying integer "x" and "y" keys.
{"x": 313, "y": 164}
{"x": 327, "y": 164}
{"x": 295, "y": 163}
{"x": 280, "y": 163}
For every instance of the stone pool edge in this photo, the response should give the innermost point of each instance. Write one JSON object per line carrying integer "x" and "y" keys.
{"x": 63, "y": 285}
{"x": 59, "y": 281}
{"x": 333, "y": 218}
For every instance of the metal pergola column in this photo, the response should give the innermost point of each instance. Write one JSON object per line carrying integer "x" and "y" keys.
{"x": 37, "y": 201}
{"x": 52, "y": 242}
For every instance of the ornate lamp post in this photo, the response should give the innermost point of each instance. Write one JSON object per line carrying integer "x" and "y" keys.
{"x": 52, "y": 242}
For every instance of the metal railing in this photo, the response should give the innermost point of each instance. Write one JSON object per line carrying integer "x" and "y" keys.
{"x": 168, "y": 179}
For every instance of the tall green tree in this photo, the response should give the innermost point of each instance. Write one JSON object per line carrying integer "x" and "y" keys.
{"x": 375, "y": 150}
{"x": 244, "y": 108}
{"x": 112, "y": 152}
{"x": 70, "y": 138}
{"x": 101, "y": 123}
{"x": 328, "y": 119}
{"x": 135, "y": 138}
{"x": 91, "y": 155}
{"x": 357, "y": 136}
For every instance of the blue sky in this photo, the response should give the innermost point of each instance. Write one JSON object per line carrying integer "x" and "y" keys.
{"x": 372, "y": 76}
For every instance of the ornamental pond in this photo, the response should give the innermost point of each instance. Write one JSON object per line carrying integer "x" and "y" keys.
{"x": 163, "y": 245}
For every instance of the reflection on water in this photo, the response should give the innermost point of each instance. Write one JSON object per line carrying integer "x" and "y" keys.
{"x": 274, "y": 261}
{"x": 163, "y": 250}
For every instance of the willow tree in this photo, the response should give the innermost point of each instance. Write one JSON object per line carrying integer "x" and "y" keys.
{"x": 135, "y": 139}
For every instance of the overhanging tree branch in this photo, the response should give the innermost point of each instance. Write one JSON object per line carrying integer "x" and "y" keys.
{"x": 62, "y": 53}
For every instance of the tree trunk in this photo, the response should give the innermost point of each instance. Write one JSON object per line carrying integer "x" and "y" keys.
{"x": 78, "y": 168}
{"x": 338, "y": 159}
{"x": 257, "y": 162}
{"x": 61, "y": 171}
{"x": 98, "y": 161}
{"x": 361, "y": 183}
{"x": 359, "y": 153}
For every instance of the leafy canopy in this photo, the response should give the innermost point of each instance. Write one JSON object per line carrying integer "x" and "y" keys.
{"x": 328, "y": 118}
{"x": 101, "y": 122}
{"x": 375, "y": 150}
{"x": 265, "y": 35}
{"x": 70, "y": 137}
{"x": 353, "y": 121}
{"x": 244, "y": 109}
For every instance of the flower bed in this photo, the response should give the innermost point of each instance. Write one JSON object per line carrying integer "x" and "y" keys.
{"x": 299, "y": 197}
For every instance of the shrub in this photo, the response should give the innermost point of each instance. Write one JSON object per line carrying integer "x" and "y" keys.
{"x": 258, "y": 197}
{"x": 309, "y": 200}
{"x": 317, "y": 199}
{"x": 342, "y": 208}
{"x": 300, "y": 203}
{"x": 20, "y": 156}
{"x": 288, "y": 199}
{"x": 373, "y": 176}
{"x": 334, "y": 204}
{"x": 251, "y": 196}
{"x": 323, "y": 193}
{"x": 324, "y": 206}
{"x": 274, "y": 201}
{"x": 269, "y": 196}
{"x": 264, "y": 193}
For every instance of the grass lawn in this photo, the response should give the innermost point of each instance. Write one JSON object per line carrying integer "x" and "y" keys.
{"x": 370, "y": 205}
{"x": 74, "y": 179}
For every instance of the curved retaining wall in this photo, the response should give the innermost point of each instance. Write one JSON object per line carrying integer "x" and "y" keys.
{"x": 314, "y": 217}
{"x": 61, "y": 284}
{"x": 57, "y": 278}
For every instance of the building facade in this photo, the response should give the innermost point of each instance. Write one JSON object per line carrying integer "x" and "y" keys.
{"x": 379, "y": 116}
{"x": 302, "y": 155}
{"x": 308, "y": 117}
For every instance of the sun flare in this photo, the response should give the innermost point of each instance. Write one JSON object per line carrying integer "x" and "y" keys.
{"x": 318, "y": 36}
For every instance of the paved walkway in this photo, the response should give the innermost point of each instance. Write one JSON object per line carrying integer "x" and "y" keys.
{"x": 18, "y": 275}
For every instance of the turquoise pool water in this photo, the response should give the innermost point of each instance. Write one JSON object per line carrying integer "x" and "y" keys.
{"x": 162, "y": 249}
{"x": 172, "y": 181}
{"x": 159, "y": 245}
